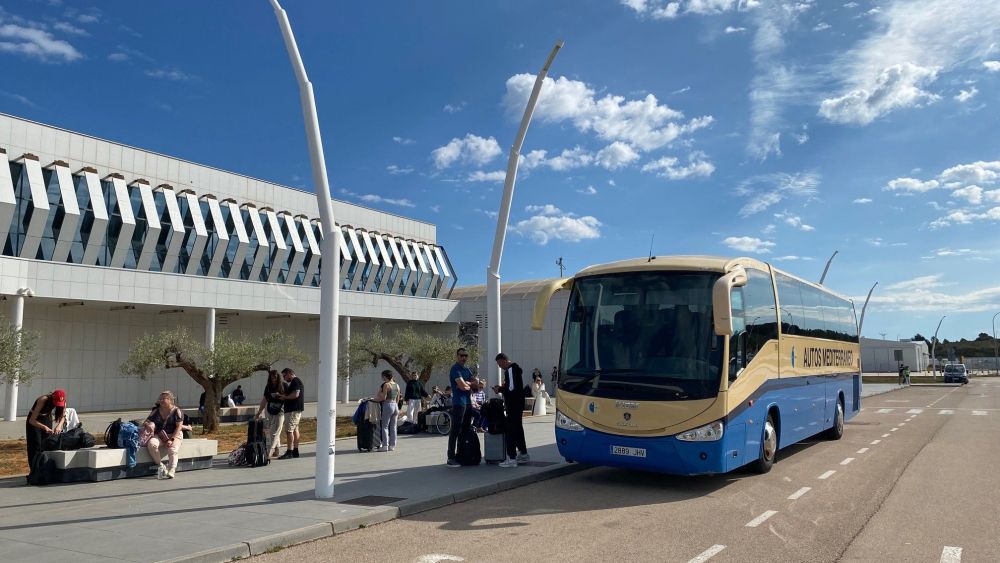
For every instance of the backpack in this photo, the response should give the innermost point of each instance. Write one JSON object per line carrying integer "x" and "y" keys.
{"x": 469, "y": 452}
{"x": 238, "y": 456}
{"x": 111, "y": 434}
{"x": 256, "y": 452}
{"x": 408, "y": 428}
{"x": 493, "y": 412}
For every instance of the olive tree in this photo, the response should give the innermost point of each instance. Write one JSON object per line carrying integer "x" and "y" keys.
{"x": 404, "y": 351}
{"x": 233, "y": 358}
{"x": 18, "y": 353}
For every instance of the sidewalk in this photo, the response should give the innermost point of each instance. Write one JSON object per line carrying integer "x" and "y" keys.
{"x": 228, "y": 512}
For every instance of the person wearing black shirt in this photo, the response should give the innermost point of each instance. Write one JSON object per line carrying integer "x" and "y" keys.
{"x": 238, "y": 396}
{"x": 512, "y": 388}
{"x": 294, "y": 405}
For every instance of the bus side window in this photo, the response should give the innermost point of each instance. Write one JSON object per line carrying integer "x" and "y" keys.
{"x": 737, "y": 342}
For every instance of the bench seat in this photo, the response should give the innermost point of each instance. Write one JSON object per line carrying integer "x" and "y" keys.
{"x": 226, "y": 414}
{"x": 105, "y": 464}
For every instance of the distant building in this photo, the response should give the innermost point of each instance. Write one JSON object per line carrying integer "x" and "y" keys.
{"x": 886, "y": 355}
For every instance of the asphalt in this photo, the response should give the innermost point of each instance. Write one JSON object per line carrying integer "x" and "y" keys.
{"x": 913, "y": 479}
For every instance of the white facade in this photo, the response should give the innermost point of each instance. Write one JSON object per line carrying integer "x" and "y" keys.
{"x": 886, "y": 355}
{"x": 113, "y": 241}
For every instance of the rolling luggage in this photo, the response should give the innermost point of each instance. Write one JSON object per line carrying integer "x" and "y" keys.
{"x": 369, "y": 436}
{"x": 494, "y": 448}
{"x": 256, "y": 450}
{"x": 468, "y": 448}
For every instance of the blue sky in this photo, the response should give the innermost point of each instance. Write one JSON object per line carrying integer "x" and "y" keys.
{"x": 777, "y": 129}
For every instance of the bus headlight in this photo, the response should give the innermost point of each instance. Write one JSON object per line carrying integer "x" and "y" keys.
{"x": 708, "y": 433}
{"x": 567, "y": 423}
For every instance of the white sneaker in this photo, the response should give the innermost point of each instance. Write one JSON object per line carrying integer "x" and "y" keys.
{"x": 161, "y": 472}
{"x": 508, "y": 463}
{"x": 170, "y": 472}
{"x": 523, "y": 458}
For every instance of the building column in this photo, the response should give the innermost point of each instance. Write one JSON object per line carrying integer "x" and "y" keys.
{"x": 18, "y": 318}
{"x": 210, "y": 329}
{"x": 345, "y": 347}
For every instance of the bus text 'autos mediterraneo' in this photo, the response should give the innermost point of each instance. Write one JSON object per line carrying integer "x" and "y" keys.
{"x": 693, "y": 365}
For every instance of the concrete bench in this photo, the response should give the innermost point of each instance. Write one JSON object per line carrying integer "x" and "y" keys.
{"x": 105, "y": 464}
{"x": 226, "y": 414}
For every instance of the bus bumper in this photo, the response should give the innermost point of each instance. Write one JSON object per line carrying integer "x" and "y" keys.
{"x": 664, "y": 454}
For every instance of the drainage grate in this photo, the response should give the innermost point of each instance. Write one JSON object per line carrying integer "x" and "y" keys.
{"x": 539, "y": 463}
{"x": 372, "y": 500}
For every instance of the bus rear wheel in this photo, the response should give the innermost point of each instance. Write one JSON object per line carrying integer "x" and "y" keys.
{"x": 768, "y": 447}
{"x": 836, "y": 432}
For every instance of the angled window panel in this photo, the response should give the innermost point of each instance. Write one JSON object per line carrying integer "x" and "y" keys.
{"x": 148, "y": 229}
{"x": 396, "y": 283}
{"x": 172, "y": 236}
{"x": 313, "y": 252}
{"x": 260, "y": 247}
{"x": 95, "y": 217}
{"x": 297, "y": 252}
{"x": 8, "y": 201}
{"x": 66, "y": 219}
{"x": 375, "y": 266}
{"x": 359, "y": 256}
{"x": 435, "y": 277}
{"x": 218, "y": 235}
{"x": 414, "y": 280}
{"x": 279, "y": 250}
{"x": 389, "y": 268}
{"x": 239, "y": 241}
{"x": 36, "y": 209}
{"x": 425, "y": 275}
{"x": 347, "y": 260}
{"x": 196, "y": 234}
{"x": 447, "y": 279}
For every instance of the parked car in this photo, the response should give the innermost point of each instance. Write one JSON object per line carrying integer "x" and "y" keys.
{"x": 956, "y": 373}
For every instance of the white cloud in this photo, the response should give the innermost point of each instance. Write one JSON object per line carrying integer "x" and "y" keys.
{"x": 971, "y": 194}
{"x": 749, "y": 244}
{"x": 769, "y": 229}
{"x": 913, "y": 43}
{"x": 569, "y": 159}
{"x": 822, "y": 26}
{"x": 792, "y": 258}
{"x": 922, "y": 295}
{"x": 793, "y": 220}
{"x": 948, "y": 252}
{"x": 731, "y": 29}
{"x": 643, "y": 123}
{"x": 698, "y": 166}
{"x": 490, "y": 214}
{"x": 616, "y": 155}
{"x": 18, "y": 97}
{"x": 589, "y": 190}
{"x": 965, "y": 217}
{"x": 21, "y": 37}
{"x": 879, "y": 242}
{"x": 966, "y": 95}
{"x": 551, "y": 223}
{"x": 979, "y": 172}
{"x": 373, "y": 198}
{"x": 920, "y": 282}
{"x": 169, "y": 74}
{"x": 397, "y": 170}
{"x": 992, "y": 66}
{"x": 851, "y": 5}
{"x": 403, "y": 140}
{"x": 768, "y": 189}
{"x": 454, "y": 108}
{"x": 117, "y": 57}
{"x": 69, "y": 28}
{"x": 862, "y": 200}
{"x": 435, "y": 208}
{"x": 911, "y": 185}
{"x": 471, "y": 149}
{"x": 493, "y": 176}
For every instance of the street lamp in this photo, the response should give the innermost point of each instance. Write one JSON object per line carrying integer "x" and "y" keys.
{"x": 933, "y": 345}
{"x": 864, "y": 308}
{"x": 996, "y": 357}
{"x": 503, "y": 217}
{"x": 826, "y": 269}
{"x": 329, "y": 289}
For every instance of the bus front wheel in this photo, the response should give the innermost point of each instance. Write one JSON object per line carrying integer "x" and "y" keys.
{"x": 837, "y": 430}
{"x": 768, "y": 447}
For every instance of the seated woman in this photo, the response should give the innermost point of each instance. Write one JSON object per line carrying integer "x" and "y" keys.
{"x": 540, "y": 395}
{"x": 47, "y": 416}
{"x": 167, "y": 421}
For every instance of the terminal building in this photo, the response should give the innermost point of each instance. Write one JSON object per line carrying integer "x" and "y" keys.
{"x": 103, "y": 242}
{"x": 884, "y": 356}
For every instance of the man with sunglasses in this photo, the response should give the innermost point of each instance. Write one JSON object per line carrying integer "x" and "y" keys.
{"x": 461, "y": 411}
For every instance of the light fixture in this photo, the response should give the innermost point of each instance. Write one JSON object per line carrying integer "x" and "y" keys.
{"x": 123, "y": 308}
{"x": 71, "y": 304}
{"x": 272, "y": 317}
{"x": 171, "y": 311}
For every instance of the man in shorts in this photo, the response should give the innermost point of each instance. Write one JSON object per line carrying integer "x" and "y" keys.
{"x": 294, "y": 405}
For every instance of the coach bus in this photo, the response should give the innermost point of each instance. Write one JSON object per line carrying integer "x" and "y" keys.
{"x": 697, "y": 365}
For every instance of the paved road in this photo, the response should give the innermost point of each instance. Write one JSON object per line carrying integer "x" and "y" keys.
{"x": 913, "y": 479}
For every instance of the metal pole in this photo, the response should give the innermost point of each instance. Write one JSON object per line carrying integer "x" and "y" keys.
{"x": 996, "y": 356}
{"x": 933, "y": 347}
{"x": 503, "y": 217}
{"x": 864, "y": 308}
{"x": 345, "y": 333}
{"x": 210, "y": 328}
{"x": 18, "y": 314}
{"x": 827, "y": 268}
{"x": 326, "y": 411}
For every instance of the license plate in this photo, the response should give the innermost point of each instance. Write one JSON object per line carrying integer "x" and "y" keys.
{"x": 627, "y": 451}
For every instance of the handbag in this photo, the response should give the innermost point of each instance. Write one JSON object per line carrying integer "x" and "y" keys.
{"x": 275, "y": 407}
{"x": 145, "y": 434}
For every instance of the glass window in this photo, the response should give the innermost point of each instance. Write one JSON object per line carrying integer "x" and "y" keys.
{"x": 15, "y": 239}
{"x": 812, "y": 312}
{"x": 86, "y": 219}
{"x": 790, "y": 296}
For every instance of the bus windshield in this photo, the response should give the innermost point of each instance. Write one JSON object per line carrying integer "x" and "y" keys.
{"x": 642, "y": 336}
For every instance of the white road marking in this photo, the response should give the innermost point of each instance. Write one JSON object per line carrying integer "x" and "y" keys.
{"x": 885, "y": 435}
{"x": 914, "y": 411}
{"x": 901, "y": 424}
{"x": 951, "y": 554}
{"x": 979, "y": 413}
{"x": 893, "y": 429}
{"x": 897, "y": 400}
{"x": 798, "y": 494}
{"x": 946, "y": 411}
{"x": 876, "y": 442}
{"x": 708, "y": 554}
{"x": 846, "y": 461}
{"x": 827, "y": 474}
{"x": 862, "y": 450}
{"x": 885, "y": 411}
{"x": 942, "y": 397}
{"x": 437, "y": 558}
{"x": 761, "y": 519}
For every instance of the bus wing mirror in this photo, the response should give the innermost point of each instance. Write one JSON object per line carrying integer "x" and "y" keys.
{"x": 722, "y": 306}
{"x": 542, "y": 301}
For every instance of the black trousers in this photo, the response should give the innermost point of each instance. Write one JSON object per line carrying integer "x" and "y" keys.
{"x": 515, "y": 428}
{"x": 461, "y": 421}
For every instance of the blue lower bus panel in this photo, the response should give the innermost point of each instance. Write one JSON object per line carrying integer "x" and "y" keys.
{"x": 665, "y": 454}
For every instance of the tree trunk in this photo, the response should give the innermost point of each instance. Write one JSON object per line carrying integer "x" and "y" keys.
{"x": 210, "y": 418}
{"x": 425, "y": 374}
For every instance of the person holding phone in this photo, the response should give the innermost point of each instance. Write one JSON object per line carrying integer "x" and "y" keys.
{"x": 272, "y": 410}
{"x": 512, "y": 388}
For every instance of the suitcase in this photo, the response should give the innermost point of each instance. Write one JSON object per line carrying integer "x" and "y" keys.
{"x": 256, "y": 452}
{"x": 494, "y": 448}
{"x": 369, "y": 437}
{"x": 468, "y": 448}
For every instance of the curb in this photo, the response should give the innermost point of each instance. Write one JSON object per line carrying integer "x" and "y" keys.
{"x": 323, "y": 530}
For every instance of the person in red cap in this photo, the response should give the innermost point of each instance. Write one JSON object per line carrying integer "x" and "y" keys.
{"x": 48, "y": 415}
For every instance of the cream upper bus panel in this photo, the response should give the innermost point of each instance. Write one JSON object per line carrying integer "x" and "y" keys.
{"x": 691, "y": 263}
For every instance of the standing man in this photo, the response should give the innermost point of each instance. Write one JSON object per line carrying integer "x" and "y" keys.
{"x": 294, "y": 405}
{"x": 512, "y": 388}
{"x": 414, "y": 393}
{"x": 461, "y": 411}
